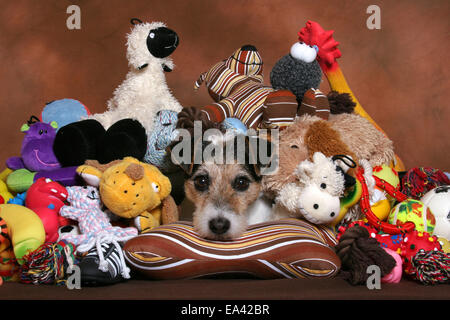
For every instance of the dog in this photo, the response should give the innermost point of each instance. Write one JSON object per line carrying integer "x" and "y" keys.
{"x": 226, "y": 190}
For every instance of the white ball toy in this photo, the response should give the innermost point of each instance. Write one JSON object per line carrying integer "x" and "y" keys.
{"x": 438, "y": 200}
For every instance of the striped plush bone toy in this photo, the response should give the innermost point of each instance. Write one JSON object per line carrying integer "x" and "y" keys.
{"x": 236, "y": 85}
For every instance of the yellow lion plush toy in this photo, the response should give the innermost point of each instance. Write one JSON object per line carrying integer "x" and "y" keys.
{"x": 133, "y": 189}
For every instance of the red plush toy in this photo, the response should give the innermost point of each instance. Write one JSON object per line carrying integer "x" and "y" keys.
{"x": 45, "y": 197}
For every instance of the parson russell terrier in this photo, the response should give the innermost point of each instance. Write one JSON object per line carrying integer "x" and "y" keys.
{"x": 224, "y": 172}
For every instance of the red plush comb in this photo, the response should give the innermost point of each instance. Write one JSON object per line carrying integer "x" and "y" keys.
{"x": 314, "y": 34}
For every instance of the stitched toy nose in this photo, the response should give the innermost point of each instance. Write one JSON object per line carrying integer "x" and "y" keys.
{"x": 248, "y": 47}
{"x": 219, "y": 225}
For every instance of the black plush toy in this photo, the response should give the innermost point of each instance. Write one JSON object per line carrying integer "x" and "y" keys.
{"x": 88, "y": 140}
{"x": 300, "y": 72}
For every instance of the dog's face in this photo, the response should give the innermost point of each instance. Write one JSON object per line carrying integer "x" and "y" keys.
{"x": 222, "y": 193}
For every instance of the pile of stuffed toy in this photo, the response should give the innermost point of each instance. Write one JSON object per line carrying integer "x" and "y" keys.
{"x": 86, "y": 184}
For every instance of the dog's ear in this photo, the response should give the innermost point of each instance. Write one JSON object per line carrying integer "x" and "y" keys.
{"x": 187, "y": 151}
{"x": 262, "y": 155}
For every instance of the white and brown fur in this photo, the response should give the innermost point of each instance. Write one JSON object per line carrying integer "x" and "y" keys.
{"x": 223, "y": 194}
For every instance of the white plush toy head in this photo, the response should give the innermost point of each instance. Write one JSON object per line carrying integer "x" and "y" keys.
{"x": 438, "y": 200}
{"x": 303, "y": 52}
{"x": 316, "y": 194}
{"x": 150, "y": 43}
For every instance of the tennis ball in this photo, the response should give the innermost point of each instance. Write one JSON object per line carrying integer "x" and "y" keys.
{"x": 414, "y": 211}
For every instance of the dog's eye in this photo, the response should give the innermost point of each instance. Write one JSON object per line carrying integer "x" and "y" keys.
{"x": 323, "y": 185}
{"x": 201, "y": 183}
{"x": 241, "y": 183}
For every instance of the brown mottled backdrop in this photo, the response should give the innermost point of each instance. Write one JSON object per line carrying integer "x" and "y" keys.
{"x": 400, "y": 73}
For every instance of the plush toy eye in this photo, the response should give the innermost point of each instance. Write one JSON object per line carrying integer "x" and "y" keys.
{"x": 303, "y": 52}
{"x": 41, "y": 132}
{"x": 155, "y": 187}
{"x": 323, "y": 185}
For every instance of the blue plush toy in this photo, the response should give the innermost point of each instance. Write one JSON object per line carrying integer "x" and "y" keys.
{"x": 159, "y": 139}
{"x": 234, "y": 124}
{"x": 18, "y": 199}
{"x": 64, "y": 111}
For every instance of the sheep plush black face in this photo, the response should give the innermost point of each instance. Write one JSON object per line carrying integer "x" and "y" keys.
{"x": 162, "y": 41}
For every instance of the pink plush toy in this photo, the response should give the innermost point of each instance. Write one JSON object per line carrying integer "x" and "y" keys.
{"x": 396, "y": 274}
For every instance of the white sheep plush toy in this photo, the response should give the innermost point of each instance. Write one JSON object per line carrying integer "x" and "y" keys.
{"x": 140, "y": 106}
{"x": 144, "y": 91}
{"x": 316, "y": 194}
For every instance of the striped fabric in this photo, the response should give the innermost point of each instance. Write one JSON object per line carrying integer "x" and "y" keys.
{"x": 280, "y": 109}
{"x": 315, "y": 103}
{"x": 245, "y": 103}
{"x": 236, "y": 86}
{"x": 288, "y": 248}
{"x": 245, "y": 62}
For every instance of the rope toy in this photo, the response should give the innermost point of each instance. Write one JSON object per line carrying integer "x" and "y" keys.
{"x": 431, "y": 267}
{"x": 358, "y": 250}
{"x": 418, "y": 181}
{"x": 48, "y": 264}
{"x": 371, "y": 217}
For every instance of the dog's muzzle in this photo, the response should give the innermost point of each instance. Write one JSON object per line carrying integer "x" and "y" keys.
{"x": 219, "y": 225}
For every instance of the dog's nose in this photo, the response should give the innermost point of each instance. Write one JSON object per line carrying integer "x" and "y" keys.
{"x": 161, "y": 42}
{"x": 219, "y": 225}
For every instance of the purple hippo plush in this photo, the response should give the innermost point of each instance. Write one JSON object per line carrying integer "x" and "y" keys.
{"x": 37, "y": 158}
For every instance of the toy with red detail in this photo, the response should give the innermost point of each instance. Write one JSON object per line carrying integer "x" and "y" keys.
{"x": 46, "y": 197}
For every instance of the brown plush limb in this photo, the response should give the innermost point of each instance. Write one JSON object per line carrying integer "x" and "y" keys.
{"x": 340, "y": 102}
{"x": 169, "y": 211}
{"x": 189, "y": 115}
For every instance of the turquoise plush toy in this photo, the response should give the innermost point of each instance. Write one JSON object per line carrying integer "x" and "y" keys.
{"x": 159, "y": 139}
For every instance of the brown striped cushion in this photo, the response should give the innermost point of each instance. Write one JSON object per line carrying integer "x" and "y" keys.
{"x": 288, "y": 248}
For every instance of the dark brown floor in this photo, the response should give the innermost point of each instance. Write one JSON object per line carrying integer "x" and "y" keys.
{"x": 230, "y": 289}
